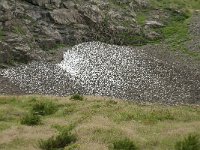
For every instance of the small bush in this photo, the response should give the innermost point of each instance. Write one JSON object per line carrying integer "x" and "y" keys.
{"x": 192, "y": 142}
{"x": 77, "y": 97}
{"x": 31, "y": 119}
{"x": 44, "y": 108}
{"x": 59, "y": 142}
{"x": 124, "y": 144}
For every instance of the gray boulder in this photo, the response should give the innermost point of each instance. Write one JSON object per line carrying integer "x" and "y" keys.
{"x": 66, "y": 16}
{"x": 39, "y": 2}
{"x": 92, "y": 12}
{"x": 154, "y": 24}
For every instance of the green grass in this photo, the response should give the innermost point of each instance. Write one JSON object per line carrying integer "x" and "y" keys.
{"x": 31, "y": 120}
{"x": 58, "y": 142}
{"x": 77, "y": 97}
{"x": 18, "y": 29}
{"x": 176, "y": 33}
{"x": 124, "y": 144}
{"x": 176, "y": 30}
{"x": 44, "y": 108}
{"x": 192, "y": 142}
{"x": 94, "y": 122}
{"x": 141, "y": 18}
{"x": 176, "y": 4}
{"x": 154, "y": 114}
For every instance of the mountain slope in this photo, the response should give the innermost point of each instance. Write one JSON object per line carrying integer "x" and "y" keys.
{"x": 38, "y": 29}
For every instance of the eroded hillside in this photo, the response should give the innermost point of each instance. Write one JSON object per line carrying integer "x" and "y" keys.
{"x": 39, "y": 29}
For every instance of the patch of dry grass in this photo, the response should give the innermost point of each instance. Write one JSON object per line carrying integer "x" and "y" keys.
{"x": 97, "y": 122}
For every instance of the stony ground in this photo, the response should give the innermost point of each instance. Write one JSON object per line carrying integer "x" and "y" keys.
{"x": 8, "y": 87}
{"x": 148, "y": 73}
{"x": 96, "y": 68}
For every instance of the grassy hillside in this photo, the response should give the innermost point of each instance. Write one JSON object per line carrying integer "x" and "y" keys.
{"x": 177, "y": 16}
{"x": 177, "y": 4}
{"x": 29, "y": 122}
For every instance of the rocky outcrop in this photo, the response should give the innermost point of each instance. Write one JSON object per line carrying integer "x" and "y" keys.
{"x": 39, "y": 2}
{"x": 44, "y": 26}
{"x": 66, "y": 16}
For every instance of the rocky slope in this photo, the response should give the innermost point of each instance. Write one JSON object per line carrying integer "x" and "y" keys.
{"x": 37, "y": 29}
{"x": 163, "y": 39}
{"x": 95, "y": 68}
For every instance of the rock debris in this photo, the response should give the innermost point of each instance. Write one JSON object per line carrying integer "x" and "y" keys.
{"x": 95, "y": 68}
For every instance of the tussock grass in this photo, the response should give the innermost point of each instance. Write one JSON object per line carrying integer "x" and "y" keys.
{"x": 192, "y": 142}
{"x": 44, "y": 108}
{"x": 58, "y": 142}
{"x": 77, "y": 97}
{"x": 95, "y": 122}
{"x": 124, "y": 144}
{"x": 31, "y": 120}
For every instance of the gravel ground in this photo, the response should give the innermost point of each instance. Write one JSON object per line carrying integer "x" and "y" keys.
{"x": 96, "y": 68}
{"x": 7, "y": 87}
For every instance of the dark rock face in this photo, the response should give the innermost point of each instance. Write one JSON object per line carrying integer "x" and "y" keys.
{"x": 65, "y": 16}
{"x": 43, "y": 25}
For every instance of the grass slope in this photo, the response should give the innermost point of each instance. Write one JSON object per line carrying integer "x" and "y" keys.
{"x": 176, "y": 31}
{"x": 95, "y": 123}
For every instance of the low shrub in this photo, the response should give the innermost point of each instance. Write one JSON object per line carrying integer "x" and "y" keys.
{"x": 77, "y": 97}
{"x": 192, "y": 142}
{"x": 31, "y": 120}
{"x": 44, "y": 108}
{"x": 58, "y": 142}
{"x": 124, "y": 144}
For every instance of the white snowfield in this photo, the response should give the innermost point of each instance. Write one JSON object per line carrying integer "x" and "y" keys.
{"x": 96, "y": 68}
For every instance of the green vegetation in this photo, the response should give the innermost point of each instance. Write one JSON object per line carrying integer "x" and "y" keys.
{"x": 124, "y": 144}
{"x": 44, "y": 108}
{"x": 192, "y": 142}
{"x": 31, "y": 119}
{"x": 55, "y": 47}
{"x": 38, "y": 109}
{"x": 176, "y": 32}
{"x": 58, "y": 142}
{"x": 176, "y": 4}
{"x": 94, "y": 122}
{"x": 77, "y": 97}
{"x": 18, "y": 29}
{"x": 141, "y": 18}
{"x": 146, "y": 115}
